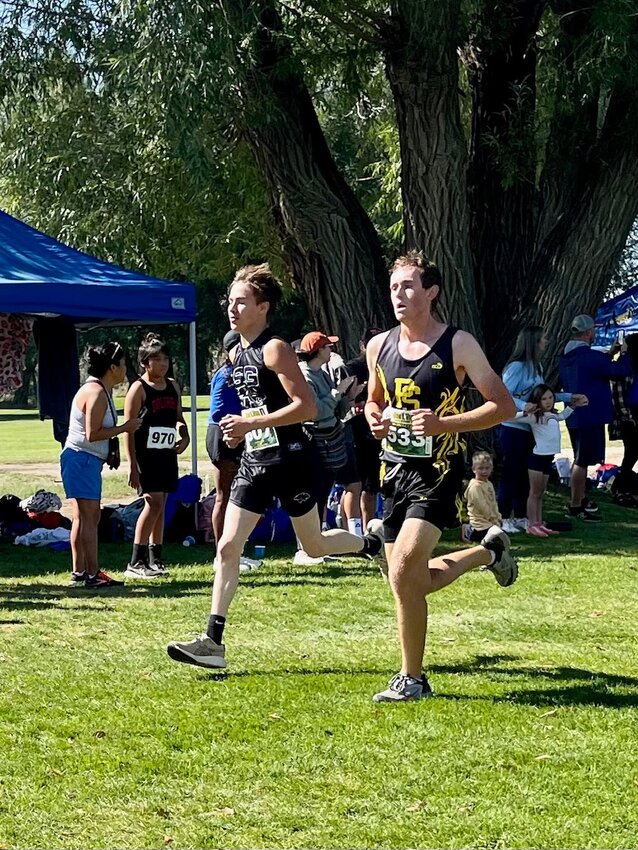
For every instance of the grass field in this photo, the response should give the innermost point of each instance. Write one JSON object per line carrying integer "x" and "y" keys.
{"x": 28, "y": 441}
{"x": 529, "y": 742}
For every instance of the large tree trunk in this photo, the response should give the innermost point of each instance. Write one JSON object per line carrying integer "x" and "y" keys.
{"x": 502, "y": 191}
{"x": 573, "y": 265}
{"x": 422, "y": 69}
{"x": 329, "y": 244}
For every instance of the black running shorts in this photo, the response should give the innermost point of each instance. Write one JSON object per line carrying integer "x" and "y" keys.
{"x": 294, "y": 481}
{"x": 217, "y": 449}
{"x": 424, "y": 492}
{"x": 158, "y": 470}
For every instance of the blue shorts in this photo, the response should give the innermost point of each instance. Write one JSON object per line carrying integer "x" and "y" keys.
{"x": 588, "y": 444}
{"x": 81, "y": 475}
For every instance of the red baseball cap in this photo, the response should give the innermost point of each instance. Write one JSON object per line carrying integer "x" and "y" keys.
{"x": 315, "y": 340}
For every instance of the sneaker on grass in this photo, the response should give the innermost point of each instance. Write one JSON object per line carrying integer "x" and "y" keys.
{"x": 77, "y": 579}
{"x": 504, "y": 568}
{"x": 141, "y": 570}
{"x": 101, "y": 581}
{"x": 202, "y": 652}
{"x": 403, "y": 688}
{"x": 581, "y": 514}
{"x": 302, "y": 559}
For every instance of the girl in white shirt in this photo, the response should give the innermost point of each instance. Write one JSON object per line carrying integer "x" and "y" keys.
{"x": 545, "y": 427}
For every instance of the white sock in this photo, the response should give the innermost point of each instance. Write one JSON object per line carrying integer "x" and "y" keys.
{"x": 355, "y": 526}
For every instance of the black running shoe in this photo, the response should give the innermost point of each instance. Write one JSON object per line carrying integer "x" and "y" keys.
{"x": 101, "y": 580}
{"x": 583, "y": 515}
{"x": 589, "y": 506}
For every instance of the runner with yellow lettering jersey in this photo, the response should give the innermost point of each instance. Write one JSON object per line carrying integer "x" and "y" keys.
{"x": 416, "y": 407}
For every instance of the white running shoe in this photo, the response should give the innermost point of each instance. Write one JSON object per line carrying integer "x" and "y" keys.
{"x": 520, "y": 523}
{"x": 141, "y": 570}
{"x": 509, "y": 527}
{"x": 302, "y": 559}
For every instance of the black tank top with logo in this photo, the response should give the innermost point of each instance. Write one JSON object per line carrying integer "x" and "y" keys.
{"x": 429, "y": 382}
{"x": 260, "y": 390}
{"x": 158, "y": 431}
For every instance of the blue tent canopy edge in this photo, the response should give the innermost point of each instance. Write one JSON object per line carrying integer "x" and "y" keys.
{"x": 41, "y": 276}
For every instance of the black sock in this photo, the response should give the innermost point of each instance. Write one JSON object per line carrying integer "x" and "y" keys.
{"x": 372, "y": 544}
{"x": 155, "y": 553}
{"x": 140, "y": 553}
{"x": 215, "y": 629}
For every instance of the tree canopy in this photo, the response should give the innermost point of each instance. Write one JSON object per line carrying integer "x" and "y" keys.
{"x": 499, "y": 136}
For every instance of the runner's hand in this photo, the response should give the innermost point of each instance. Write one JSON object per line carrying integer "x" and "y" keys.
{"x": 134, "y": 480}
{"x": 378, "y": 425}
{"x": 425, "y": 423}
{"x": 234, "y": 428}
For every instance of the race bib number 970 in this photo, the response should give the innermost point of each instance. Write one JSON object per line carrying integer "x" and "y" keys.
{"x": 402, "y": 440}
{"x": 161, "y": 438}
{"x": 261, "y": 438}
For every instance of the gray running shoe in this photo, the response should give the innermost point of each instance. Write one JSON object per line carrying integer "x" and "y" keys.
{"x": 141, "y": 570}
{"x": 504, "y": 568}
{"x": 203, "y": 652}
{"x": 402, "y": 688}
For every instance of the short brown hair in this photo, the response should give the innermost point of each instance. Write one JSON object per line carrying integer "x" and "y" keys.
{"x": 263, "y": 283}
{"x": 429, "y": 271}
{"x": 482, "y": 457}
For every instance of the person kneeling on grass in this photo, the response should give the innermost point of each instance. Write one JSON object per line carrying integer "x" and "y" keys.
{"x": 152, "y": 452}
{"x": 479, "y": 494}
{"x": 546, "y": 431}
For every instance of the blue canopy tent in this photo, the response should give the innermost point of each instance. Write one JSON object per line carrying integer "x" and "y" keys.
{"x": 41, "y": 277}
{"x": 620, "y": 313}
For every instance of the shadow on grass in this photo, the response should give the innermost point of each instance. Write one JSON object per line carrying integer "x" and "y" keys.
{"x": 566, "y": 686}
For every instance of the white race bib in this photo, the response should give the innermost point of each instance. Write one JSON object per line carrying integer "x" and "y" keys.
{"x": 262, "y": 438}
{"x": 402, "y": 440}
{"x": 161, "y": 438}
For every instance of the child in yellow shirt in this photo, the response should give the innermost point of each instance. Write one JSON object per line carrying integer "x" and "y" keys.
{"x": 482, "y": 508}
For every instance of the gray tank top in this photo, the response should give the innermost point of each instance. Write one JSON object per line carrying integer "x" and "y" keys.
{"x": 76, "y": 438}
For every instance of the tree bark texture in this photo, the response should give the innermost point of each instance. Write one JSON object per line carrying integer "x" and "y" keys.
{"x": 330, "y": 246}
{"x": 422, "y": 70}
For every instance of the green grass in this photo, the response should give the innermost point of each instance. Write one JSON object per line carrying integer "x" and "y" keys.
{"x": 530, "y": 741}
{"x": 25, "y": 439}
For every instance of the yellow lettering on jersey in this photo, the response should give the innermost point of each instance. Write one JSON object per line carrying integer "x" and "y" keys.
{"x": 404, "y": 391}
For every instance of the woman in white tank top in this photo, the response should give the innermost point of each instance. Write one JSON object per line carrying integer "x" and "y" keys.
{"x": 92, "y": 423}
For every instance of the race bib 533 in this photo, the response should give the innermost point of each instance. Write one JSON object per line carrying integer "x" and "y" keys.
{"x": 402, "y": 440}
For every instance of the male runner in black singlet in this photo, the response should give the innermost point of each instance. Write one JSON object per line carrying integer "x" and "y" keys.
{"x": 278, "y": 459}
{"x": 416, "y": 406}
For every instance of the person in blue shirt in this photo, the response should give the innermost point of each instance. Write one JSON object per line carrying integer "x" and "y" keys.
{"x": 223, "y": 401}
{"x": 522, "y": 373}
{"x": 583, "y": 370}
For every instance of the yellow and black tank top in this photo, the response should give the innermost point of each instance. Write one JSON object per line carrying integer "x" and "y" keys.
{"x": 429, "y": 382}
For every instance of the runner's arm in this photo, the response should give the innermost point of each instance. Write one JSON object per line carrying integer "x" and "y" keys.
{"x": 281, "y": 359}
{"x": 498, "y": 405}
{"x": 376, "y": 402}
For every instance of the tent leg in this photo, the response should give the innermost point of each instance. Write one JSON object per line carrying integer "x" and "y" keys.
{"x": 192, "y": 357}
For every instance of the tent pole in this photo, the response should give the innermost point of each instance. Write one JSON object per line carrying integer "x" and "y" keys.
{"x": 192, "y": 358}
